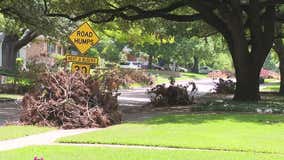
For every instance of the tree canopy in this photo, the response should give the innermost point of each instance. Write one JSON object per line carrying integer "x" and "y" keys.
{"x": 248, "y": 26}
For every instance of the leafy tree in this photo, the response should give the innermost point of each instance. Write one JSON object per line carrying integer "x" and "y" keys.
{"x": 247, "y": 25}
{"x": 21, "y": 22}
{"x": 134, "y": 36}
{"x": 14, "y": 39}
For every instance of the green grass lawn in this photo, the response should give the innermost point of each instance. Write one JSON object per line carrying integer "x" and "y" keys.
{"x": 10, "y": 132}
{"x": 224, "y": 103}
{"x": 186, "y": 76}
{"x": 10, "y": 96}
{"x": 234, "y": 132}
{"x": 271, "y": 88}
{"x": 273, "y": 85}
{"x": 164, "y": 78}
{"x": 99, "y": 153}
{"x": 271, "y": 81}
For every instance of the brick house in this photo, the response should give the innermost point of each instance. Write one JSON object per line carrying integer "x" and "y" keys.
{"x": 41, "y": 46}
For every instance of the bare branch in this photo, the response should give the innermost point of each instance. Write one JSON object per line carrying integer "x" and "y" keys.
{"x": 45, "y": 7}
{"x": 27, "y": 37}
{"x": 139, "y": 13}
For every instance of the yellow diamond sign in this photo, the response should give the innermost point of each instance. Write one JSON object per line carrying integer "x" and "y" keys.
{"x": 84, "y": 38}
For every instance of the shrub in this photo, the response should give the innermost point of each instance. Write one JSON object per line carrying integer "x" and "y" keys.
{"x": 224, "y": 86}
{"x": 72, "y": 101}
{"x": 24, "y": 78}
{"x": 19, "y": 88}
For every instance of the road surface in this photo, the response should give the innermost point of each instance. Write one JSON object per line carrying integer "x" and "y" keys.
{"x": 129, "y": 99}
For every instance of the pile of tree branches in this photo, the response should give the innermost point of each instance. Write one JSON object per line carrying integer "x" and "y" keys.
{"x": 72, "y": 101}
{"x": 126, "y": 77}
{"x": 137, "y": 76}
{"x": 161, "y": 95}
{"x": 220, "y": 74}
{"x": 224, "y": 86}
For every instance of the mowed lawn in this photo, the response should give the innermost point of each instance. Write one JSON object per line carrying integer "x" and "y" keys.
{"x": 164, "y": 78}
{"x": 100, "y": 153}
{"x": 10, "y": 96}
{"x": 10, "y": 132}
{"x": 271, "y": 88}
{"x": 231, "y": 132}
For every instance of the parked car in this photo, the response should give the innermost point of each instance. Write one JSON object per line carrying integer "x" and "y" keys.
{"x": 181, "y": 69}
{"x": 205, "y": 70}
{"x": 130, "y": 65}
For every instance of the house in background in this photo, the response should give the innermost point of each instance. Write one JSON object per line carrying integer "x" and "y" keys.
{"x": 41, "y": 46}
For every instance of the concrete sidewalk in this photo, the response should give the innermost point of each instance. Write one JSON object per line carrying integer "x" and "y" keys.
{"x": 41, "y": 139}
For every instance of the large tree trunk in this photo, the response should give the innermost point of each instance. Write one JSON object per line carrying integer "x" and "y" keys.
{"x": 195, "y": 67}
{"x": 247, "y": 86}
{"x": 279, "y": 49}
{"x": 247, "y": 71}
{"x": 150, "y": 61}
{"x": 9, "y": 52}
{"x": 249, "y": 54}
{"x": 11, "y": 46}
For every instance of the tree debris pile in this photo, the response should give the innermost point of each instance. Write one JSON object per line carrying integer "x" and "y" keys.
{"x": 72, "y": 101}
{"x": 224, "y": 86}
{"x": 220, "y": 74}
{"x": 161, "y": 95}
{"x": 131, "y": 76}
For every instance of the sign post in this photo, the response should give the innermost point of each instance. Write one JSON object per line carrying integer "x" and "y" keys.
{"x": 84, "y": 68}
{"x": 83, "y": 38}
{"x": 82, "y": 59}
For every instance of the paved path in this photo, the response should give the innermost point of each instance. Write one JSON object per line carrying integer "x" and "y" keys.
{"x": 138, "y": 96}
{"x": 41, "y": 139}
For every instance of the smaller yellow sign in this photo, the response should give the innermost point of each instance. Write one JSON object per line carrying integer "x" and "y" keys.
{"x": 84, "y": 68}
{"x": 81, "y": 59}
{"x": 84, "y": 38}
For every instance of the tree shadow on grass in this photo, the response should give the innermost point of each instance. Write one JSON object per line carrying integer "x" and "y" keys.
{"x": 205, "y": 118}
{"x": 216, "y": 108}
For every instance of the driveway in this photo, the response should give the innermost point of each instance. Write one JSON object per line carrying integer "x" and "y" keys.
{"x": 9, "y": 111}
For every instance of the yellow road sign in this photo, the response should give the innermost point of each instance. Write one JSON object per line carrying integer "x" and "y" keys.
{"x": 84, "y": 68}
{"x": 81, "y": 59}
{"x": 84, "y": 38}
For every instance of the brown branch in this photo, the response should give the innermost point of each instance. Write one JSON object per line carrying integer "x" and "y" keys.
{"x": 27, "y": 37}
{"x": 172, "y": 17}
{"x": 139, "y": 13}
{"x": 45, "y": 7}
{"x": 104, "y": 20}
